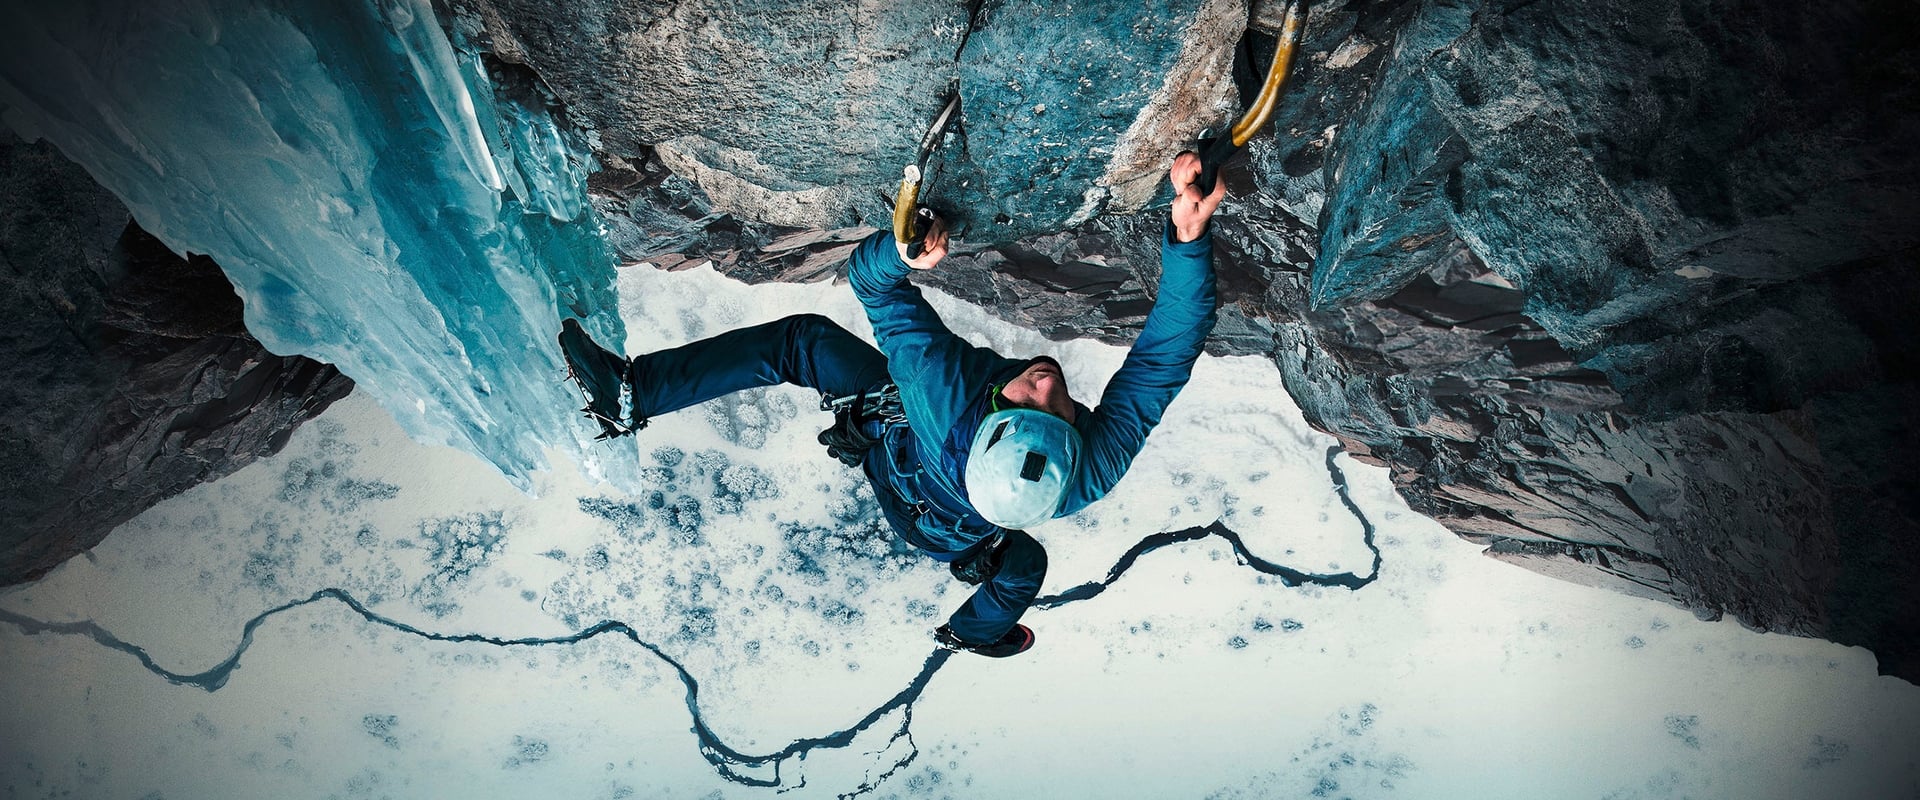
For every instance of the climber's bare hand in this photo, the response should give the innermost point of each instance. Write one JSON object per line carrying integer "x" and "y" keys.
{"x": 934, "y": 249}
{"x": 1191, "y": 210}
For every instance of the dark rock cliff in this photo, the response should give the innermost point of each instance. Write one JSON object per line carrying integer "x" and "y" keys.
{"x": 126, "y": 375}
{"x": 1707, "y": 209}
{"x": 802, "y": 113}
{"x": 1616, "y": 289}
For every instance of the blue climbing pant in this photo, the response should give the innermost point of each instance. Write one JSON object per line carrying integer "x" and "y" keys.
{"x": 804, "y": 350}
{"x": 1001, "y": 599}
{"x": 812, "y": 351}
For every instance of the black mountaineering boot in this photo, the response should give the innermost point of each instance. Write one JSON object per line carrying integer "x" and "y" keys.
{"x": 601, "y": 376}
{"x": 1014, "y": 643}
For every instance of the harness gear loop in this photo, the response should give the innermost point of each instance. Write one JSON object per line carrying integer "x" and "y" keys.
{"x": 859, "y": 420}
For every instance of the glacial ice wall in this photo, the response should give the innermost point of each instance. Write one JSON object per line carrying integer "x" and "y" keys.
{"x": 382, "y": 198}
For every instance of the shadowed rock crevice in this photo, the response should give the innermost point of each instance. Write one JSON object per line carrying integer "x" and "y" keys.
{"x": 129, "y": 376}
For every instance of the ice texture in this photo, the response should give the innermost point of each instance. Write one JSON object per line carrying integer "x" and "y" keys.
{"x": 379, "y": 198}
{"x": 414, "y": 27}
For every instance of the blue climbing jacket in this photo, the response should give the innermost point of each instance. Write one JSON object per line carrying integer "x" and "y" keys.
{"x": 946, "y": 385}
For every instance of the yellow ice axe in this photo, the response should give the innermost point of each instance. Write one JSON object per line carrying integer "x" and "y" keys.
{"x": 910, "y": 219}
{"x": 1223, "y": 148}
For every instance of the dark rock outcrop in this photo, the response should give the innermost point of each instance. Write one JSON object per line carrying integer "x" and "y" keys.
{"x": 801, "y": 113}
{"x": 1616, "y": 289}
{"x": 128, "y": 376}
{"x": 1707, "y": 207}
{"x": 785, "y": 111}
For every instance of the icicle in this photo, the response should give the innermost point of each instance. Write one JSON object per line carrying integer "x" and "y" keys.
{"x": 542, "y": 153}
{"x": 427, "y": 48}
{"x": 474, "y": 71}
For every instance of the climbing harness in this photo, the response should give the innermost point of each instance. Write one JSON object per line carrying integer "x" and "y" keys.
{"x": 882, "y": 402}
{"x": 910, "y": 219}
{"x": 1218, "y": 150}
{"x": 859, "y": 420}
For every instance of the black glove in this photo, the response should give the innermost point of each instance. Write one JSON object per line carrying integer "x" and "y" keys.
{"x": 982, "y": 566}
{"x": 848, "y": 439}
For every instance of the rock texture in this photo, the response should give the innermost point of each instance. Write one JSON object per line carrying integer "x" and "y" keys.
{"x": 127, "y": 375}
{"x": 1072, "y": 109}
{"x": 1710, "y": 207}
{"x": 785, "y": 111}
{"x": 801, "y": 113}
{"x": 1616, "y": 289}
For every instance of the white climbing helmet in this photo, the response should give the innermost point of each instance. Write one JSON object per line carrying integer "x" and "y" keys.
{"x": 1020, "y": 465}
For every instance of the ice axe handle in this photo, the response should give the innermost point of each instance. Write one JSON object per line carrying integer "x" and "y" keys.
{"x": 1214, "y": 153}
{"x": 904, "y": 204}
{"x": 923, "y": 219}
{"x": 911, "y": 221}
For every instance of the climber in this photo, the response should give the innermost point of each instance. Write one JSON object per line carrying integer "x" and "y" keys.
{"x": 965, "y": 448}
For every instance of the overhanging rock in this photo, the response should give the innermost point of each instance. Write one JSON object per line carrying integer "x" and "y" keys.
{"x": 1706, "y": 208}
{"x": 125, "y": 374}
{"x": 802, "y": 113}
{"x": 1618, "y": 289}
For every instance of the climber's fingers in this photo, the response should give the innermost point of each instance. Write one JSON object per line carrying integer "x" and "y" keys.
{"x": 1186, "y": 170}
{"x": 1191, "y": 209}
{"x": 936, "y": 249}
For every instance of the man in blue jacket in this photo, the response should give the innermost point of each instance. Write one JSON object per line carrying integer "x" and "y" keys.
{"x": 965, "y": 448}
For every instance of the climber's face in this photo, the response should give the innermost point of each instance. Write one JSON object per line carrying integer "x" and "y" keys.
{"x": 1041, "y": 387}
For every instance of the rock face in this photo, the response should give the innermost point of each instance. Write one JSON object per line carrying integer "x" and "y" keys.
{"x": 786, "y": 111}
{"x": 128, "y": 376}
{"x": 1615, "y": 289}
{"x": 1070, "y": 110}
{"x": 801, "y": 113}
{"x": 1709, "y": 210}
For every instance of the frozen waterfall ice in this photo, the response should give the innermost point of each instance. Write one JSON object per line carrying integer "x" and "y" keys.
{"x": 382, "y": 198}
{"x": 426, "y": 47}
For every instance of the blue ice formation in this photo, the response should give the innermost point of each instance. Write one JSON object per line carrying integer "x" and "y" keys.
{"x": 379, "y": 197}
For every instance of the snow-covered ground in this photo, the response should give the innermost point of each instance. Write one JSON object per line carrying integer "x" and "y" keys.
{"x": 364, "y": 616}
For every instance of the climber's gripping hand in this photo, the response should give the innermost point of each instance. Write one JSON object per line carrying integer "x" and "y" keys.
{"x": 933, "y": 247}
{"x": 1191, "y": 210}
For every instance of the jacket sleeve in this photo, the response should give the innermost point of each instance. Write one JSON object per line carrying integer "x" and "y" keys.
{"x": 1155, "y": 369}
{"x": 937, "y": 372}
